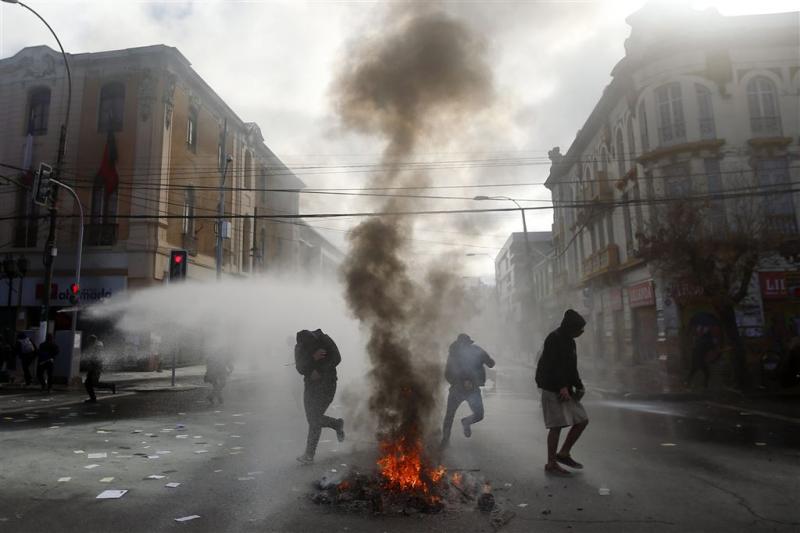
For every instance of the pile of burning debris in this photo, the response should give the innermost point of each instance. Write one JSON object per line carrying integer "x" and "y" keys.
{"x": 404, "y": 484}
{"x": 373, "y": 493}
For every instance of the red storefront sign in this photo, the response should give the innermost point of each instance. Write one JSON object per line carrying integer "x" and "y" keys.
{"x": 773, "y": 285}
{"x": 642, "y": 294}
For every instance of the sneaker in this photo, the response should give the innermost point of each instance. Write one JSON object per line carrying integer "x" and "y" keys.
{"x": 113, "y": 388}
{"x": 340, "y": 429}
{"x": 569, "y": 461}
{"x": 305, "y": 459}
{"x": 467, "y": 429}
{"x": 555, "y": 469}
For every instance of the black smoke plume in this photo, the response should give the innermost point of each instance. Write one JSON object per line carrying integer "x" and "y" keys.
{"x": 416, "y": 81}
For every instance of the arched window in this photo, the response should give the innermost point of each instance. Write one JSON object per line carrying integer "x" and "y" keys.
{"x": 621, "y": 156}
{"x": 38, "y": 111}
{"x": 112, "y": 107}
{"x": 643, "y": 135}
{"x": 631, "y": 144}
{"x": 103, "y": 228}
{"x": 191, "y": 129}
{"x": 762, "y": 99}
{"x": 188, "y": 212}
{"x": 705, "y": 112}
{"x": 587, "y": 184}
{"x": 669, "y": 108}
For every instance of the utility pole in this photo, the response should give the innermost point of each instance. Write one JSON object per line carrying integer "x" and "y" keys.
{"x": 221, "y": 208}
{"x": 50, "y": 250}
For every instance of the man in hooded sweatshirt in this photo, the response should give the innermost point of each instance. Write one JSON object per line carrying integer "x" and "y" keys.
{"x": 557, "y": 376}
{"x": 466, "y": 374}
{"x": 316, "y": 357}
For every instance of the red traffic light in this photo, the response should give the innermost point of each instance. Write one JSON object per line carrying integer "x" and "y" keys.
{"x": 177, "y": 258}
{"x": 74, "y": 288}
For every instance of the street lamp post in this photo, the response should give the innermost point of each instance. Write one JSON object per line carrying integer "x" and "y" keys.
{"x": 50, "y": 250}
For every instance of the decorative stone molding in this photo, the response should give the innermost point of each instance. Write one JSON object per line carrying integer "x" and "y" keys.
{"x": 41, "y": 66}
{"x": 147, "y": 96}
{"x": 169, "y": 98}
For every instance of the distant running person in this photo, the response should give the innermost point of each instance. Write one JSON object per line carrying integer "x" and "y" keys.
{"x": 316, "y": 357}
{"x": 466, "y": 374}
{"x": 562, "y": 388}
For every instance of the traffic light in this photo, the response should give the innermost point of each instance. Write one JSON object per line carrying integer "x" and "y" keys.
{"x": 74, "y": 293}
{"x": 178, "y": 261}
{"x": 41, "y": 184}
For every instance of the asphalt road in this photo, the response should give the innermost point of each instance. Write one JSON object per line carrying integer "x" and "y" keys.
{"x": 669, "y": 467}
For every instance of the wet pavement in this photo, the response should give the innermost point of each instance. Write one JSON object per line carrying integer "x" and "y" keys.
{"x": 667, "y": 466}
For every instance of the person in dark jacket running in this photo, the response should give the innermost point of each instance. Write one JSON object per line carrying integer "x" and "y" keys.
{"x": 48, "y": 351}
{"x": 703, "y": 345}
{"x": 217, "y": 371}
{"x": 466, "y": 374}
{"x": 94, "y": 367}
{"x": 562, "y": 388}
{"x": 316, "y": 357}
{"x": 26, "y": 350}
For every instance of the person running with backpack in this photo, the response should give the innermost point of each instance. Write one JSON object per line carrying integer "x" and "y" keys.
{"x": 316, "y": 357}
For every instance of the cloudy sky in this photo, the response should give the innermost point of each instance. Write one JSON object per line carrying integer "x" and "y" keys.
{"x": 273, "y": 62}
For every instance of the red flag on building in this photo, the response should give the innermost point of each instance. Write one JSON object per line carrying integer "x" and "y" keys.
{"x": 108, "y": 166}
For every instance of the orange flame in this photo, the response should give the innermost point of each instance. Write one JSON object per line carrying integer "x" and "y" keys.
{"x": 402, "y": 467}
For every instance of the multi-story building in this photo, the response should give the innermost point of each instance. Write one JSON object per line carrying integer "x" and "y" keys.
{"x": 147, "y": 144}
{"x": 520, "y": 293}
{"x": 700, "y": 104}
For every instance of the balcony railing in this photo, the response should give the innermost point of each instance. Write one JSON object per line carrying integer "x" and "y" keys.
{"x": 782, "y": 224}
{"x": 601, "y": 262}
{"x": 101, "y": 234}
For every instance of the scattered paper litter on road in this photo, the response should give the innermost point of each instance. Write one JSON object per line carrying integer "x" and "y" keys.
{"x": 172, "y": 485}
{"x": 334, "y": 470}
{"x": 201, "y": 451}
{"x": 219, "y": 424}
{"x": 136, "y": 431}
{"x": 54, "y": 427}
{"x": 78, "y": 451}
{"x": 187, "y": 518}
{"x": 153, "y": 456}
{"x": 668, "y": 444}
{"x": 235, "y": 453}
{"x": 99, "y": 455}
{"x": 237, "y": 448}
{"x": 163, "y": 452}
{"x": 604, "y": 491}
{"x": 89, "y": 467}
{"x": 343, "y": 465}
{"x": 181, "y": 436}
{"x": 106, "y": 480}
{"x": 236, "y": 436}
{"x": 761, "y": 443}
{"x": 256, "y": 473}
{"x": 217, "y": 471}
{"x": 238, "y": 414}
{"x": 102, "y": 431}
{"x": 64, "y": 479}
{"x": 111, "y": 494}
{"x": 197, "y": 437}
{"x": 155, "y": 476}
{"x": 523, "y": 505}
{"x": 181, "y": 414}
{"x": 246, "y": 478}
